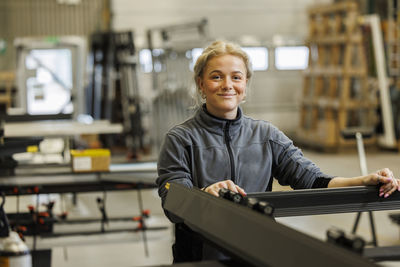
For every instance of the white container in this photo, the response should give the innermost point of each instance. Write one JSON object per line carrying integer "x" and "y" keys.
{"x": 14, "y": 252}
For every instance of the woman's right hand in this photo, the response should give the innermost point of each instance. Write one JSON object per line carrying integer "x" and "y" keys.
{"x": 213, "y": 189}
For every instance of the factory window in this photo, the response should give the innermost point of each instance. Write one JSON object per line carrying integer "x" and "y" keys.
{"x": 195, "y": 53}
{"x": 145, "y": 60}
{"x": 49, "y": 88}
{"x": 258, "y": 57}
{"x": 291, "y": 57}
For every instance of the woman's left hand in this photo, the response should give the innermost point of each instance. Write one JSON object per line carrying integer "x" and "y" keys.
{"x": 387, "y": 189}
{"x": 386, "y": 178}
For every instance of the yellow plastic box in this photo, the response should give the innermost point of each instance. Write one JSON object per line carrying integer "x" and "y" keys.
{"x": 90, "y": 160}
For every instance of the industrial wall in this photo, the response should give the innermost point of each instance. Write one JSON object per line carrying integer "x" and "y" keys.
{"x": 42, "y": 18}
{"x": 274, "y": 94}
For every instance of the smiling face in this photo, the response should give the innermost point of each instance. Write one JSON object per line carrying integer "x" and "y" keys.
{"x": 223, "y": 84}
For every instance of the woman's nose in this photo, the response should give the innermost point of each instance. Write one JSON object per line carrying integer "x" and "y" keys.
{"x": 227, "y": 84}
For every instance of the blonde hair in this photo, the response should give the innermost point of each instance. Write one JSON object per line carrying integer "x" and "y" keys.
{"x": 219, "y": 48}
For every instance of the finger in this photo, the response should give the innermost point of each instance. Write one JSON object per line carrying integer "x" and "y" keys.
{"x": 213, "y": 190}
{"x": 386, "y": 172}
{"x": 241, "y": 191}
{"x": 384, "y": 190}
{"x": 388, "y": 188}
{"x": 217, "y": 187}
{"x": 222, "y": 185}
{"x": 383, "y": 179}
{"x": 387, "y": 194}
{"x": 383, "y": 171}
{"x": 231, "y": 186}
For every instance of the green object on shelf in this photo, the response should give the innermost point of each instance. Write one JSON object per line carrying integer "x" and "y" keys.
{"x": 52, "y": 39}
{"x": 3, "y": 46}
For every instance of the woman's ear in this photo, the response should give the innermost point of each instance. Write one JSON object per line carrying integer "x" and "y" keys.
{"x": 200, "y": 87}
{"x": 200, "y": 83}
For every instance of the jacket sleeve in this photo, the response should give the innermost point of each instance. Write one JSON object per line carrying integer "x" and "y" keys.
{"x": 289, "y": 165}
{"x": 173, "y": 167}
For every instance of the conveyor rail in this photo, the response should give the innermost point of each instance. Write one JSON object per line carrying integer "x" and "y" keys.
{"x": 253, "y": 238}
{"x": 328, "y": 200}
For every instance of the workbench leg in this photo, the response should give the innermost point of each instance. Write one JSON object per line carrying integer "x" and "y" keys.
{"x": 356, "y": 223}
{"x": 140, "y": 201}
{"x": 74, "y": 199}
{"x": 372, "y": 225}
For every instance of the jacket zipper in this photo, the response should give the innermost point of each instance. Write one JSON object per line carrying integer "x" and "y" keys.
{"x": 228, "y": 145}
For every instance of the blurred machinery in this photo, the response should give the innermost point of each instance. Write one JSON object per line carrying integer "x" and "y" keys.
{"x": 10, "y": 146}
{"x": 172, "y": 59}
{"x": 113, "y": 93}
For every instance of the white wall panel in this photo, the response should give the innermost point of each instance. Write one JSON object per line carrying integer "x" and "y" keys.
{"x": 262, "y": 18}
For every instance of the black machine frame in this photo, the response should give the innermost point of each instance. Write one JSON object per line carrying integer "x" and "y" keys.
{"x": 327, "y": 201}
{"x": 258, "y": 240}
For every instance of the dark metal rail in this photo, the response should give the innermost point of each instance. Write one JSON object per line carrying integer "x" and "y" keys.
{"x": 253, "y": 238}
{"x": 329, "y": 200}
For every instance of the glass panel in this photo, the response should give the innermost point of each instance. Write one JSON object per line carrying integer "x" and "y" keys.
{"x": 49, "y": 92}
{"x": 258, "y": 57}
{"x": 196, "y": 52}
{"x": 145, "y": 60}
{"x": 291, "y": 57}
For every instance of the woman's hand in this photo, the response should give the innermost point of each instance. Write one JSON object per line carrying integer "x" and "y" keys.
{"x": 386, "y": 178}
{"x": 213, "y": 189}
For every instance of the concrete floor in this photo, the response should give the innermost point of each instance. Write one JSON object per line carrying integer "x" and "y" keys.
{"x": 127, "y": 249}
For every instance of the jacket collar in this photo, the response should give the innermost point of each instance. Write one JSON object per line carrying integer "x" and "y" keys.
{"x": 217, "y": 125}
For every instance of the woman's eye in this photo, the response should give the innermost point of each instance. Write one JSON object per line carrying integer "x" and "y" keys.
{"x": 216, "y": 77}
{"x": 237, "y": 77}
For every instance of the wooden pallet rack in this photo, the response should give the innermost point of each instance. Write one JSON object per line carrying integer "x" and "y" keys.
{"x": 6, "y": 84}
{"x": 336, "y": 95}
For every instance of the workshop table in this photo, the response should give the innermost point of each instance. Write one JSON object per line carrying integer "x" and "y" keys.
{"x": 46, "y": 179}
{"x": 55, "y": 178}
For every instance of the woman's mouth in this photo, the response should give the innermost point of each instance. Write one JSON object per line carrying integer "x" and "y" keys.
{"x": 226, "y": 95}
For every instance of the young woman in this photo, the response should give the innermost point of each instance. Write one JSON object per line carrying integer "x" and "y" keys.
{"x": 220, "y": 147}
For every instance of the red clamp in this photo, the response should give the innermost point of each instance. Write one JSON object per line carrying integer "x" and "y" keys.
{"x": 137, "y": 218}
{"x": 146, "y": 213}
{"x": 44, "y": 214}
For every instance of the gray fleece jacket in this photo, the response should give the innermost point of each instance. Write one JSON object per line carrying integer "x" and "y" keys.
{"x": 205, "y": 149}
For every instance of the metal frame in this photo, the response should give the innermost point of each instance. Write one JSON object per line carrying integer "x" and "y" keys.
{"x": 253, "y": 238}
{"x": 60, "y": 179}
{"x": 387, "y": 139}
{"x": 328, "y": 200}
{"x": 76, "y": 44}
{"x": 56, "y": 179}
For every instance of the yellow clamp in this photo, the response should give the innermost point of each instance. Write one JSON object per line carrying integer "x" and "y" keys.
{"x": 32, "y": 149}
{"x": 167, "y": 186}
